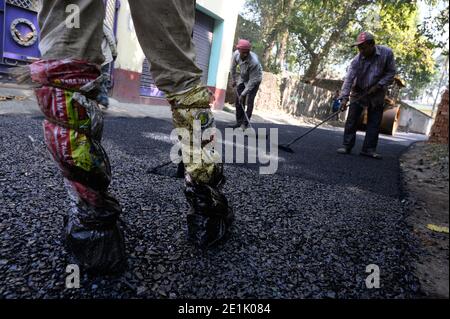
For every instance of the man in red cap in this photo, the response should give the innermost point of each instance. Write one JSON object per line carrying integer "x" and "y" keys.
{"x": 366, "y": 82}
{"x": 246, "y": 73}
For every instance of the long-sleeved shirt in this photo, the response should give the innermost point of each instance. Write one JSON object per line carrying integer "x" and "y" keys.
{"x": 379, "y": 69}
{"x": 248, "y": 71}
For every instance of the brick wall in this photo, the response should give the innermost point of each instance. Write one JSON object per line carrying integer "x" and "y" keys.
{"x": 439, "y": 131}
{"x": 269, "y": 95}
{"x": 301, "y": 99}
{"x": 293, "y": 96}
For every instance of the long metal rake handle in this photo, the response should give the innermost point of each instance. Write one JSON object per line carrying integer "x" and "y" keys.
{"x": 312, "y": 129}
{"x": 326, "y": 120}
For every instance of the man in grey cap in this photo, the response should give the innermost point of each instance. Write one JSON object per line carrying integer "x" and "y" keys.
{"x": 366, "y": 82}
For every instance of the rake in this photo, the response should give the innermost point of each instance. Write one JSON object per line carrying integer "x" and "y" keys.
{"x": 287, "y": 147}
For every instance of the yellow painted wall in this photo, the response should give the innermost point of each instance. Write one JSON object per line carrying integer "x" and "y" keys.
{"x": 130, "y": 55}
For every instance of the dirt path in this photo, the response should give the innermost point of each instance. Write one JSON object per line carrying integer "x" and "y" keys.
{"x": 425, "y": 171}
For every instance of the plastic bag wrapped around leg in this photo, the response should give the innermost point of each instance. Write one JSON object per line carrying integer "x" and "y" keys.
{"x": 73, "y": 130}
{"x": 69, "y": 74}
{"x": 98, "y": 251}
{"x": 92, "y": 233}
{"x": 80, "y": 158}
{"x": 210, "y": 216}
{"x": 71, "y": 109}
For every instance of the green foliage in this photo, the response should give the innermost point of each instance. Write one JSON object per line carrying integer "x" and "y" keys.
{"x": 397, "y": 28}
{"x": 273, "y": 18}
{"x": 319, "y": 26}
{"x": 321, "y": 31}
{"x": 251, "y": 31}
{"x": 435, "y": 29}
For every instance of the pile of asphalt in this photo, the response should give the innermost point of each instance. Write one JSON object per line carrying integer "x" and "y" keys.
{"x": 309, "y": 231}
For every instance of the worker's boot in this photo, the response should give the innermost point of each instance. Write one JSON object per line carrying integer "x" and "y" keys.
{"x": 73, "y": 129}
{"x": 344, "y": 150}
{"x": 209, "y": 216}
{"x": 371, "y": 153}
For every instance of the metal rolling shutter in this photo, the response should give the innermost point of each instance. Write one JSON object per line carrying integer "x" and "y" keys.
{"x": 202, "y": 37}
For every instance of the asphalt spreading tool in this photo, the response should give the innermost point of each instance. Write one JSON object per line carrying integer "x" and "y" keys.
{"x": 155, "y": 169}
{"x": 287, "y": 147}
{"x": 179, "y": 173}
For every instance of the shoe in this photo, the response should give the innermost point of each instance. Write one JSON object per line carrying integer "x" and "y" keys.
{"x": 344, "y": 150}
{"x": 103, "y": 100}
{"x": 371, "y": 154}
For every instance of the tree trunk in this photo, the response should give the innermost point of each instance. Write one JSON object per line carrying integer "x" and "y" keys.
{"x": 267, "y": 55}
{"x": 313, "y": 67}
{"x": 283, "y": 51}
{"x": 284, "y": 34}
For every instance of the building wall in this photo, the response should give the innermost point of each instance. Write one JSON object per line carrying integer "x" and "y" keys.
{"x": 130, "y": 55}
{"x": 293, "y": 96}
{"x": 420, "y": 122}
{"x": 226, "y": 13}
{"x": 128, "y": 66}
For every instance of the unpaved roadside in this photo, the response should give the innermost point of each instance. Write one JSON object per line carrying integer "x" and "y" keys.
{"x": 425, "y": 177}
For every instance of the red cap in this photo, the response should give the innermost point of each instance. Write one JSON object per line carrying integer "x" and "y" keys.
{"x": 363, "y": 37}
{"x": 243, "y": 45}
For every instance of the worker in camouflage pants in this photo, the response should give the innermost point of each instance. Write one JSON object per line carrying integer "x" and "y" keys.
{"x": 69, "y": 75}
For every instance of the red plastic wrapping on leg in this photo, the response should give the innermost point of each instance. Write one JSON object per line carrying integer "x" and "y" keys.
{"x": 68, "y": 73}
{"x": 80, "y": 158}
{"x": 72, "y": 132}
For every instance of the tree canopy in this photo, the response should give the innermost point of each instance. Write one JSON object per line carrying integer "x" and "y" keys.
{"x": 313, "y": 37}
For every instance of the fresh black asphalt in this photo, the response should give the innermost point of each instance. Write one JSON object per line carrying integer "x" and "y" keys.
{"x": 307, "y": 231}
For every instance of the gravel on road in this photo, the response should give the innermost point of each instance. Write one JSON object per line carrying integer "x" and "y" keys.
{"x": 309, "y": 231}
